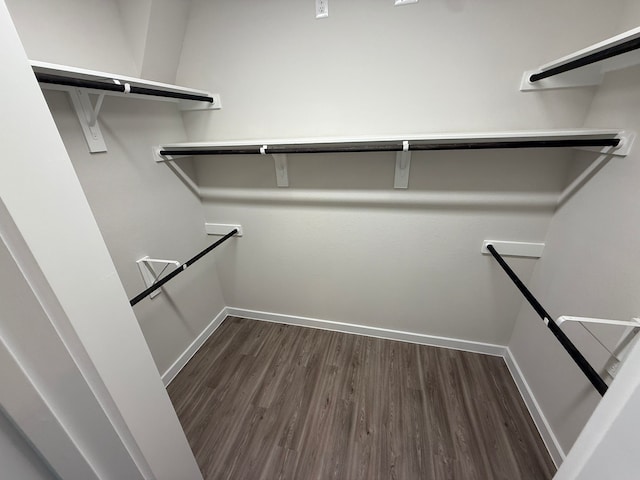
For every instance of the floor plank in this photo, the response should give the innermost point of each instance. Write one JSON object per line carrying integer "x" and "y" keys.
{"x": 273, "y": 401}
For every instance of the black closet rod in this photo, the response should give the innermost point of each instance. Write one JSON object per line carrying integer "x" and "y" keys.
{"x": 568, "y": 345}
{"x": 181, "y": 268}
{"x": 394, "y": 146}
{"x": 113, "y": 87}
{"x": 609, "y": 52}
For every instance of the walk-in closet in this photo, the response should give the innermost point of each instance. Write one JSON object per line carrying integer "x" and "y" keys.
{"x": 329, "y": 239}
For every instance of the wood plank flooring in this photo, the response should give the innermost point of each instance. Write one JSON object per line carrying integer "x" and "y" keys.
{"x": 269, "y": 401}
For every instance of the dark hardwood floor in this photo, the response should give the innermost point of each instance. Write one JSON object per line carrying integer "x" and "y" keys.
{"x": 269, "y": 401}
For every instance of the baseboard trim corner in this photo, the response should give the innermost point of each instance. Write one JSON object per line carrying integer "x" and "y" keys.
{"x": 548, "y": 437}
{"x": 419, "y": 338}
{"x": 191, "y": 350}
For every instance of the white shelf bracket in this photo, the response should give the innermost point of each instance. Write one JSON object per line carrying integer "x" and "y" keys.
{"x": 514, "y": 249}
{"x": 221, "y": 229}
{"x": 280, "y": 161}
{"x": 626, "y": 137}
{"x": 160, "y": 158}
{"x": 621, "y": 350}
{"x": 403, "y": 166}
{"x": 282, "y": 172}
{"x": 88, "y": 117}
{"x": 149, "y": 274}
{"x": 633, "y": 323}
{"x": 95, "y": 111}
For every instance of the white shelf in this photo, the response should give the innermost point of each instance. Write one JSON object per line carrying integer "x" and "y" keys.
{"x": 93, "y": 75}
{"x": 439, "y": 138}
{"x": 403, "y": 146}
{"x": 79, "y": 83}
{"x": 587, "y": 75}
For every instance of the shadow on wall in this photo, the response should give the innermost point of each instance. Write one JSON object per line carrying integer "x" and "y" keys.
{"x": 529, "y": 179}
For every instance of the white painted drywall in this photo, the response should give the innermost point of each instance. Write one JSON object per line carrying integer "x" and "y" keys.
{"x": 372, "y": 68}
{"x": 17, "y": 458}
{"x": 142, "y": 208}
{"x": 135, "y": 23}
{"x": 589, "y": 268}
{"x": 155, "y": 29}
{"x": 167, "y": 27}
{"x": 614, "y": 455}
{"x": 340, "y": 245}
{"x": 81, "y": 33}
{"x": 75, "y": 277}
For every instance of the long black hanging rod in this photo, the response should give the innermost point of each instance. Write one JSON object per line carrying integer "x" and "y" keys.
{"x": 391, "y": 146}
{"x": 181, "y": 268}
{"x": 595, "y": 379}
{"x": 609, "y": 52}
{"x": 113, "y": 87}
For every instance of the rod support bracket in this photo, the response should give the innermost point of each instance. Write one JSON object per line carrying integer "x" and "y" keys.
{"x": 280, "y": 163}
{"x": 149, "y": 274}
{"x": 282, "y": 169}
{"x": 633, "y": 323}
{"x": 403, "y": 167}
{"x": 514, "y": 249}
{"x": 87, "y": 115}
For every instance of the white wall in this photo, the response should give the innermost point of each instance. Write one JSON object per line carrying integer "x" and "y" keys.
{"x": 60, "y": 252}
{"x": 615, "y": 456}
{"x": 406, "y": 260}
{"x": 135, "y": 18}
{"x": 142, "y": 208}
{"x": 372, "y": 68}
{"x": 155, "y": 29}
{"x": 589, "y": 269}
{"x": 17, "y": 458}
{"x": 167, "y": 27}
{"x": 605, "y": 448}
{"x": 340, "y": 245}
{"x": 81, "y": 33}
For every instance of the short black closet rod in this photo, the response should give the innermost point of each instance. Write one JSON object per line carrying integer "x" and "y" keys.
{"x": 609, "y": 52}
{"x": 595, "y": 379}
{"x": 114, "y": 87}
{"x": 391, "y": 146}
{"x": 181, "y": 268}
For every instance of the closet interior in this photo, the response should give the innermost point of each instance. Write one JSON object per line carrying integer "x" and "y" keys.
{"x": 355, "y": 246}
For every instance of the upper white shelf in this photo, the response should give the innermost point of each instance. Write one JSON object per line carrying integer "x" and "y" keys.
{"x": 63, "y": 77}
{"x": 615, "y": 142}
{"x": 608, "y": 142}
{"x": 586, "y": 67}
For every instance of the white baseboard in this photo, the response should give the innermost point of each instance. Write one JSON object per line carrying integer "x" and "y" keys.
{"x": 550, "y": 440}
{"x": 191, "y": 350}
{"x": 420, "y": 338}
